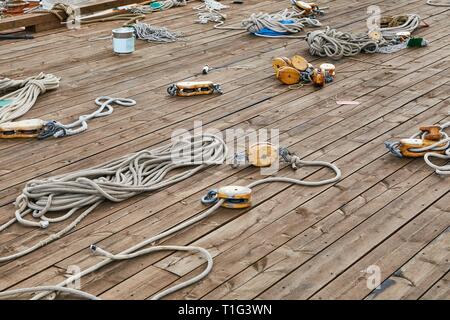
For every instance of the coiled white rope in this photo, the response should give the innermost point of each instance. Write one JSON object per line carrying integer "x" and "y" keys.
{"x": 274, "y": 22}
{"x": 150, "y": 33}
{"x": 122, "y": 178}
{"x": 166, "y": 4}
{"x": 411, "y": 24}
{"x": 25, "y": 95}
{"x": 336, "y": 44}
{"x": 438, "y": 4}
{"x": 79, "y": 293}
{"x": 116, "y": 181}
{"x": 209, "y": 11}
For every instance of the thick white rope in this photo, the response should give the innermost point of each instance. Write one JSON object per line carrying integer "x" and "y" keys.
{"x": 116, "y": 181}
{"x": 127, "y": 176}
{"x": 438, "y": 4}
{"x": 209, "y": 11}
{"x": 256, "y": 22}
{"x": 25, "y": 94}
{"x": 105, "y": 109}
{"x": 336, "y": 44}
{"x": 79, "y": 293}
{"x": 151, "y": 33}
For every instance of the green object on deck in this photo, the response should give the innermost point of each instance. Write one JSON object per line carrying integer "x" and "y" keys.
{"x": 156, "y": 5}
{"x": 5, "y": 102}
{"x": 417, "y": 43}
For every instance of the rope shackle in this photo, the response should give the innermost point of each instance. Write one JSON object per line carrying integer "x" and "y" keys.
{"x": 193, "y": 88}
{"x": 234, "y": 197}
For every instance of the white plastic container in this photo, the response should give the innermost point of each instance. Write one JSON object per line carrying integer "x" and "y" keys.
{"x": 123, "y": 40}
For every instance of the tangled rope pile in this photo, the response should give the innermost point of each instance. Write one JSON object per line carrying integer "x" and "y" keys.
{"x": 164, "y": 5}
{"x": 25, "y": 95}
{"x": 150, "y": 33}
{"x": 337, "y": 44}
{"x": 209, "y": 11}
{"x": 391, "y": 26}
{"x": 284, "y": 22}
{"x": 120, "y": 179}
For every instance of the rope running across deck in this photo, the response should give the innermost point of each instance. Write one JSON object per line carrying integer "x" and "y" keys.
{"x": 119, "y": 180}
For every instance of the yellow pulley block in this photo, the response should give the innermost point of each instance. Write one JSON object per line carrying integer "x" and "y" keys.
{"x": 299, "y": 63}
{"x": 234, "y": 197}
{"x": 262, "y": 154}
{"x": 280, "y": 62}
{"x": 31, "y": 128}
{"x": 193, "y": 88}
{"x": 406, "y": 145}
{"x": 288, "y": 75}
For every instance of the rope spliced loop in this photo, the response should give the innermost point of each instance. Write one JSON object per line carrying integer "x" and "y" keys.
{"x": 429, "y": 142}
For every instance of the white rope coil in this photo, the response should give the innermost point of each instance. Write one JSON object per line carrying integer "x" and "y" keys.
{"x": 150, "y": 33}
{"x": 256, "y": 22}
{"x": 25, "y": 95}
{"x": 336, "y": 44}
{"x": 209, "y": 11}
{"x": 117, "y": 180}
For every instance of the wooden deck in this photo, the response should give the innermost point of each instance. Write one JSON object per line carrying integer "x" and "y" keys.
{"x": 295, "y": 242}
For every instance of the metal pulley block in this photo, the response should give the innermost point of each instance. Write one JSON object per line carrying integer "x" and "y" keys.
{"x": 193, "y": 88}
{"x": 431, "y": 135}
{"x": 235, "y": 197}
{"x": 32, "y": 128}
{"x": 258, "y": 155}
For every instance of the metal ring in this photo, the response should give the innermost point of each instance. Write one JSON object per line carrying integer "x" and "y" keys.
{"x": 210, "y": 197}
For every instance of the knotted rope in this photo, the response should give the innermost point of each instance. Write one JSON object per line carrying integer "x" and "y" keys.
{"x": 150, "y": 33}
{"x": 25, "y": 95}
{"x": 57, "y": 129}
{"x": 167, "y": 4}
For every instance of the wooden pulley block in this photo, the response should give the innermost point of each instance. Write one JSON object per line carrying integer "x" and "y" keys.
{"x": 21, "y": 129}
{"x": 279, "y": 62}
{"x": 288, "y": 75}
{"x": 433, "y": 133}
{"x": 299, "y": 63}
{"x": 262, "y": 154}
